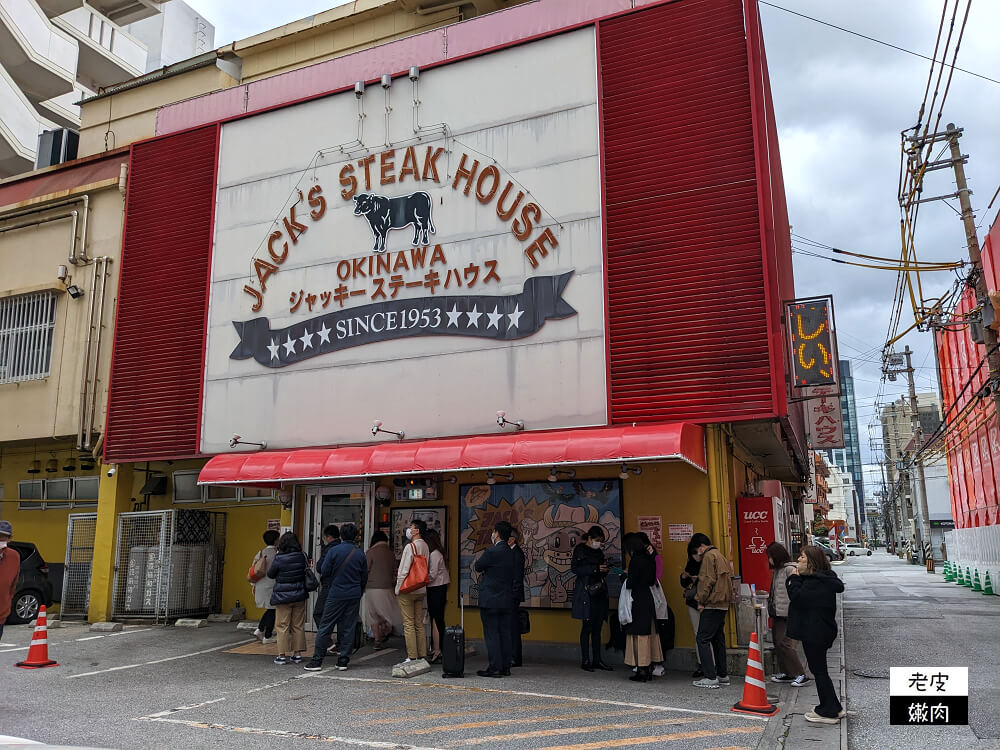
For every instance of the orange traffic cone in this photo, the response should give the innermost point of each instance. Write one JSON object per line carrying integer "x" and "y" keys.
{"x": 754, "y": 690}
{"x": 38, "y": 652}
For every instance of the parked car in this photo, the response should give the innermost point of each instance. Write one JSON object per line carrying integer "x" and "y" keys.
{"x": 33, "y": 586}
{"x": 857, "y": 548}
{"x": 827, "y": 549}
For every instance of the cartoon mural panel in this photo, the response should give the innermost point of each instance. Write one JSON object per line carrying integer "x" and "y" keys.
{"x": 552, "y": 518}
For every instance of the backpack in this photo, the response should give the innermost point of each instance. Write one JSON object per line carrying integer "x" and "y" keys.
{"x": 258, "y": 568}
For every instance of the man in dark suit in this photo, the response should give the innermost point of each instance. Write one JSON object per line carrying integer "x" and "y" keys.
{"x": 496, "y": 598}
{"x": 515, "y": 612}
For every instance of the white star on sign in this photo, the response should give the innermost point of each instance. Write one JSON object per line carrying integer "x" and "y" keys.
{"x": 307, "y": 340}
{"x": 273, "y": 348}
{"x": 474, "y": 316}
{"x": 324, "y": 334}
{"x": 453, "y": 315}
{"x": 514, "y": 317}
{"x": 289, "y": 345}
{"x": 494, "y": 318}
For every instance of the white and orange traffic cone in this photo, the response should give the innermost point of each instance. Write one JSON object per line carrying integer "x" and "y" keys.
{"x": 38, "y": 652}
{"x": 754, "y": 689}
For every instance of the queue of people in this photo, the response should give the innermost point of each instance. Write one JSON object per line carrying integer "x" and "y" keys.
{"x": 801, "y": 604}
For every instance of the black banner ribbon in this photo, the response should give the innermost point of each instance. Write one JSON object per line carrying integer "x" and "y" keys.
{"x": 503, "y": 318}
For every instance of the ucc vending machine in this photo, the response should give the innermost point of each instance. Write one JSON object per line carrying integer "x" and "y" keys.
{"x": 760, "y": 521}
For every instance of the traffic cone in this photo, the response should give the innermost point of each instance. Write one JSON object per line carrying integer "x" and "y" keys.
{"x": 968, "y": 578}
{"x": 957, "y": 577}
{"x": 754, "y": 690}
{"x": 38, "y": 652}
{"x": 976, "y": 585}
{"x": 988, "y": 585}
{"x": 949, "y": 574}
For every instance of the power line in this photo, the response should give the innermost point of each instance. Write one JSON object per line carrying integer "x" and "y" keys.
{"x": 877, "y": 41}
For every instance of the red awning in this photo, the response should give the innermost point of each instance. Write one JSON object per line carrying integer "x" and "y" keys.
{"x": 679, "y": 441}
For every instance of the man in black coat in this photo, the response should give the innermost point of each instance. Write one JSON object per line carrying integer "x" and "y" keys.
{"x": 515, "y": 612}
{"x": 496, "y": 598}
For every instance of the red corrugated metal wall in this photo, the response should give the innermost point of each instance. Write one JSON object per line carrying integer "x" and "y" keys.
{"x": 688, "y": 322}
{"x": 154, "y": 406}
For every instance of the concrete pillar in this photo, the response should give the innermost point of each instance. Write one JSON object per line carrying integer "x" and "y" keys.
{"x": 115, "y": 497}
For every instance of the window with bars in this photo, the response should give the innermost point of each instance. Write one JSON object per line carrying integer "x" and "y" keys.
{"x": 26, "y": 325}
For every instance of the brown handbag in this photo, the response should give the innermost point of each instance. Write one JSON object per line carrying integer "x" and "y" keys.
{"x": 417, "y": 576}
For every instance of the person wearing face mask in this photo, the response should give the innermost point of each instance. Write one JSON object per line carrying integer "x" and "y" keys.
{"x": 10, "y": 569}
{"x": 590, "y": 597}
{"x": 496, "y": 600}
{"x": 412, "y": 603}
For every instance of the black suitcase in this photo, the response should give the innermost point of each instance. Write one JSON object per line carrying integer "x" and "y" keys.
{"x": 453, "y": 648}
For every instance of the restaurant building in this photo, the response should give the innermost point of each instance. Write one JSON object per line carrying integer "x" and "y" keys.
{"x": 527, "y": 266}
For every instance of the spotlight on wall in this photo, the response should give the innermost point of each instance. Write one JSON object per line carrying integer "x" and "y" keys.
{"x": 74, "y": 291}
{"x": 359, "y": 89}
{"x": 414, "y": 73}
{"x": 113, "y": 470}
{"x": 502, "y": 421}
{"x": 627, "y": 470}
{"x": 35, "y": 467}
{"x": 70, "y": 465}
{"x": 554, "y": 474}
{"x": 238, "y": 440}
{"x": 377, "y": 428}
{"x": 386, "y": 81}
{"x": 450, "y": 480}
{"x": 491, "y": 476}
{"x": 51, "y": 466}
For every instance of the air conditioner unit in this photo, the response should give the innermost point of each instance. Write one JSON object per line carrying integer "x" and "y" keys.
{"x": 56, "y": 147}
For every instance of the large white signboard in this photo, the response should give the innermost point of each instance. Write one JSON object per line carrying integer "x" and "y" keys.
{"x": 424, "y": 255}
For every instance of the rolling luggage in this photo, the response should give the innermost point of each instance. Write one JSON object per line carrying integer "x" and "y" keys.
{"x": 453, "y": 648}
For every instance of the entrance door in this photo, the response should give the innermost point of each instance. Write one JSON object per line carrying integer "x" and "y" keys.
{"x": 337, "y": 504}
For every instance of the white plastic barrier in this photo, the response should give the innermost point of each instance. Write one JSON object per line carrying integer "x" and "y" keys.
{"x": 977, "y": 549}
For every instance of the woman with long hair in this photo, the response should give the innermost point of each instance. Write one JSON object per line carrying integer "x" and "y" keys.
{"x": 689, "y": 582}
{"x": 590, "y": 597}
{"x": 812, "y": 618}
{"x": 382, "y": 615}
{"x": 777, "y": 608}
{"x": 437, "y": 591}
{"x": 642, "y": 644}
{"x": 289, "y": 598}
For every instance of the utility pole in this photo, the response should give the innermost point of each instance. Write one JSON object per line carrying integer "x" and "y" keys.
{"x": 972, "y": 242}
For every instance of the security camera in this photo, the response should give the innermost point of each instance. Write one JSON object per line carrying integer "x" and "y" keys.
{"x": 235, "y": 441}
{"x": 376, "y": 426}
{"x": 112, "y": 470}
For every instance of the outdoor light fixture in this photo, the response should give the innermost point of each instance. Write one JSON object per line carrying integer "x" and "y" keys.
{"x": 450, "y": 480}
{"x": 238, "y": 440}
{"x": 70, "y": 464}
{"x": 636, "y": 470}
{"x": 62, "y": 272}
{"x": 377, "y": 428}
{"x": 359, "y": 89}
{"x": 554, "y": 474}
{"x": 502, "y": 421}
{"x": 491, "y": 477}
{"x": 74, "y": 291}
{"x": 113, "y": 470}
{"x": 34, "y": 467}
{"x": 51, "y": 466}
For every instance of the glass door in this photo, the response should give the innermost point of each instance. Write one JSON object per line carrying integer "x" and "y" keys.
{"x": 335, "y": 504}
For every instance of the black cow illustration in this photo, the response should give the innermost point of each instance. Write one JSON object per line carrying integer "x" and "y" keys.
{"x": 384, "y": 214}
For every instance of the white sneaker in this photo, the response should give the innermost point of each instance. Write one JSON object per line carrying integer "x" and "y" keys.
{"x": 781, "y": 677}
{"x": 407, "y": 660}
{"x": 801, "y": 680}
{"x": 258, "y": 633}
{"x": 658, "y": 670}
{"x": 272, "y": 639}
{"x": 815, "y": 718}
{"x": 704, "y": 682}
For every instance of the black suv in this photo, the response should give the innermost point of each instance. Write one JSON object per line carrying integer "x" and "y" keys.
{"x": 33, "y": 586}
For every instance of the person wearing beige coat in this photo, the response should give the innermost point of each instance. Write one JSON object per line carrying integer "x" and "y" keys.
{"x": 785, "y": 649}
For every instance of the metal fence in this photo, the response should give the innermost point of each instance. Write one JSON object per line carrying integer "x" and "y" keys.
{"x": 977, "y": 549}
{"x": 79, "y": 564}
{"x": 168, "y": 564}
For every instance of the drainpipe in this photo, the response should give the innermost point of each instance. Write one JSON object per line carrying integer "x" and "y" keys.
{"x": 104, "y": 262}
{"x": 80, "y": 444}
{"x": 74, "y": 215}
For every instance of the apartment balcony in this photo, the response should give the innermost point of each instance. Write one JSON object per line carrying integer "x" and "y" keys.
{"x": 19, "y": 129}
{"x": 64, "y": 110}
{"x": 108, "y": 54}
{"x": 124, "y": 12}
{"x": 40, "y": 59}
{"x": 53, "y": 8}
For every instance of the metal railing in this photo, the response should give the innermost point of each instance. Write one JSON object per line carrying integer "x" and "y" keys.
{"x": 26, "y": 325}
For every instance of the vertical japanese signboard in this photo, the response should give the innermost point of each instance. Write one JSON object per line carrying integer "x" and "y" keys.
{"x": 811, "y": 342}
{"x": 824, "y": 419}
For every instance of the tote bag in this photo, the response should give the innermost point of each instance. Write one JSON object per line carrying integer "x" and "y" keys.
{"x": 659, "y": 601}
{"x": 417, "y": 576}
{"x": 625, "y": 606}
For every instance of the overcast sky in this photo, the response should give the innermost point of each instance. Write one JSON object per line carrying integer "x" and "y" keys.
{"x": 840, "y": 103}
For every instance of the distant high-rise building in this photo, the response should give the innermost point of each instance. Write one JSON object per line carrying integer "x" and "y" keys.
{"x": 848, "y": 458}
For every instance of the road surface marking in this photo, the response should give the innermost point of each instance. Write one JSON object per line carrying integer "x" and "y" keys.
{"x": 575, "y": 699}
{"x": 375, "y": 655}
{"x": 90, "y": 638}
{"x": 158, "y": 661}
{"x": 698, "y": 734}
{"x": 572, "y": 730}
{"x": 291, "y": 735}
{"x": 171, "y": 711}
{"x": 524, "y": 720}
{"x": 491, "y": 710}
{"x": 287, "y": 680}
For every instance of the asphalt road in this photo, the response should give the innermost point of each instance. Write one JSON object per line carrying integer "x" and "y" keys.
{"x": 899, "y": 615}
{"x": 168, "y": 687}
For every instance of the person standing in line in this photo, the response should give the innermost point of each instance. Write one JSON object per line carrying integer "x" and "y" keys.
{"x": 289, "y": 596}
{"x": 812, "y": 618}
{"x": 590, "y": 597}
{"x": 412, "y": 603}
{"x": 437, "y": 591}
{"x": 714, "y": 596}
{"x": 516, "y": 650}
{"x": 331, "y": 538}
{"x": 642, "y": 644}
{"x": 777, "y": 608}
{"x": 496, "y": 595}
{"x": 262, "y": 590}
{"x": 382, "y": 615}
{"x": 10, "y": 570}
{"x": 689, "y": 583}
{"x": 347, "y": 570}
{"x": 665, "y": 629}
